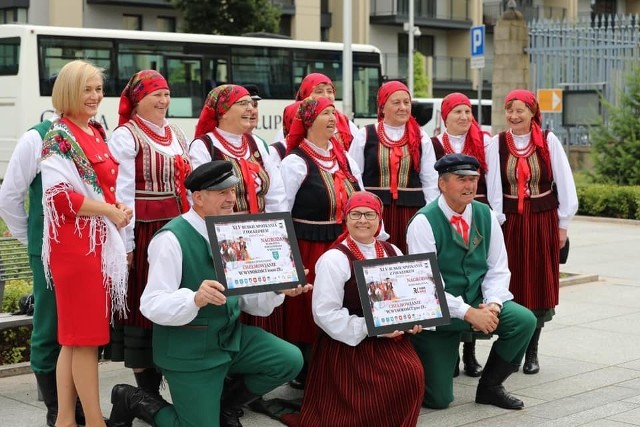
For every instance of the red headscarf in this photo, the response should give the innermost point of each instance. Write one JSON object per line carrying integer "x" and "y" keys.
{"x": 361, "y": 199}
{"x": 308, "y": 111}
{"x": 310, "y": 82}
{"x": 342, "y": 121}
{"x": 474, "y": 141}
{"x": 140, "y": 85}
{"x": 288, "y": 115}
{"x": 529, "y": 98}
{"x": 219, "y": 101}
{"x": 522, "y": 168}
{"x": 413, "y": 128}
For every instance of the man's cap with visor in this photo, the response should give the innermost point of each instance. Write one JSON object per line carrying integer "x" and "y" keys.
{"x": 459, "y": 164}
{"x": 214, "y": 175}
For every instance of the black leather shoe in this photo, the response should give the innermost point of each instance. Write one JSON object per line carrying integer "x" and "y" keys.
{"x": 497, "y": 396}
{"x": 229, "y": 418}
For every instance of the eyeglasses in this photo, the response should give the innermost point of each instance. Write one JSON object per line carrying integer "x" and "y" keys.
{"x": 245, "y": 103}
{"x": 356, "y": 215}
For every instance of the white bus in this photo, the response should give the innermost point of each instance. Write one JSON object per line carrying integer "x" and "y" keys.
{"x": 192, "y": 63}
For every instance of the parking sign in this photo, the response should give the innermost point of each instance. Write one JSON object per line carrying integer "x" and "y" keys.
{"x": 477, "y": 46}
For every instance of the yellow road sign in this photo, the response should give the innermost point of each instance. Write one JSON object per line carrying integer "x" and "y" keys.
{"x": 550, "y": 100}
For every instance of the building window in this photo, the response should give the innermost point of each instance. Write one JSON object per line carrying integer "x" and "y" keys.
{"x": 422, "y": 44}
{"x": 13, "y": 15}
{"x": 166, "y": 24}
{"x": 132, "y": 22}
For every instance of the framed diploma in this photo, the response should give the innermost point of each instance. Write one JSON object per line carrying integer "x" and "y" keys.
{"x": 399, "y": 292}
{"x": 256, "y": 253}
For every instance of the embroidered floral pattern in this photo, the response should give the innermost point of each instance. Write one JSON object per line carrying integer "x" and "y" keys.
{"x": 61, "y": 142}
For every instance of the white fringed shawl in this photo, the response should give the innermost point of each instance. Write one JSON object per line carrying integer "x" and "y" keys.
{"x": 65, "y": 169}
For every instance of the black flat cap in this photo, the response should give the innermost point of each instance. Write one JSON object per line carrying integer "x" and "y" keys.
{"x": 253, "y": 92}
{"x": 215, "y": 175}
{"x": 459, "y": 164}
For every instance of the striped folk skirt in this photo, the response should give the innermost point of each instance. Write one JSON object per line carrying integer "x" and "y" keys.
{"x": 379, "y": 382}
{"x": 533, "y": 248}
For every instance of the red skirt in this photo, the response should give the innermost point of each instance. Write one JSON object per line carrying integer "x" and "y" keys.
{"x": 396, "y": 219}
{"x": 139, "y": 272}
{"x": 274, "y": 323}
{"x": 83, "y": 302}
{"x": 533, "y": 248}
{"x": 379, "y": 382}
{"x": 299, "y": 326}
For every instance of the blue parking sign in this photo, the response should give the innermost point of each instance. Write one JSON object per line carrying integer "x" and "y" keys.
{"x": 477, "y": 41}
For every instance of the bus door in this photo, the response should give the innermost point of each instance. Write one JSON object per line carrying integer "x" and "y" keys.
{"x": 184, "y": 75}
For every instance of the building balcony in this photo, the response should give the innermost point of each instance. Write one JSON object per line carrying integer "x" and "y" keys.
{"x": 491, "y": 11}
{"x": 453, "y": 14}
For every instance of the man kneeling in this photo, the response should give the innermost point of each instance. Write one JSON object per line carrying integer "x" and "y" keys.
{"x": 197, "y": 338}
{"x": 473, "y": 262}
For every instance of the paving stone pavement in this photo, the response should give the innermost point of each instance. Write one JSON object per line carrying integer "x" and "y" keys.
{"x": 589, "y": 354}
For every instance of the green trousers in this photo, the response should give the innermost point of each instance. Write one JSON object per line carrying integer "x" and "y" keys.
{"x": 264, "y": 360}
{"x": 44, "y": 337}
{"x": 438, "y": 350}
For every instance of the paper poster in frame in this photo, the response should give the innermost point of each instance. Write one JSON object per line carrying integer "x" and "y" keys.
{"x": 256, "y": 253}
{"x": 399, "y": 292}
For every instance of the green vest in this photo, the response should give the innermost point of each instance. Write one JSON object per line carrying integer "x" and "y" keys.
{"x": 35, "y": 219}
{"x": 463, "y": 267}
{"x": 205, "y": 342}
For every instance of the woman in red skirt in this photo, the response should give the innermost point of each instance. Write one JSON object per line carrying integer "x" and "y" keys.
{"x": 356, "y": 380}
{"x": 154, "y": 162}
{"x": 83, "y": 251}
{"x": 318, "y": 177}
{"x": 396, "y": 159}
{"x": 539, "y": 201}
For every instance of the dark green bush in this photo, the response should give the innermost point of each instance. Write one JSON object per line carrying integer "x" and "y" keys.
{"x": 611, "y": 201}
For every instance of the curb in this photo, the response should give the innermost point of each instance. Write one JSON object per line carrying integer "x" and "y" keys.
{"x": 15, "y": 369}
{"x": 606, "y": 220}
{"x": 578, "y": 279}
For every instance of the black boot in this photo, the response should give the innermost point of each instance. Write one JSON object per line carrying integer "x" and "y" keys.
{"x": 149, "y": 380}
{"x": 490, "y": 390}
{"x": 130, "y": 402}
{"x": 235, "y": 396}
{"x": 471, "y": 366}
{"x": 531, "y": 365}
{"x": 47, "y": 385}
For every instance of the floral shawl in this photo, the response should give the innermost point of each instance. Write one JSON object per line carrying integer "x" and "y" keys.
{"x": 66, "y": 168}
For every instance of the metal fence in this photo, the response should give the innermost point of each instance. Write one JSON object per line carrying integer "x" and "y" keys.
{"x": 592, "y": 53}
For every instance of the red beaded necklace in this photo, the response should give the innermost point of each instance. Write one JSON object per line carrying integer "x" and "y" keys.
{"x": 355, "y": 250}
{"x": 237, "y": 152}
{"x": 515, "y": 152}
{"x": 317, "y": 157}
{"x": 388, "y": 142}
{"x": 162, "y": 140}
{"x": 446, "y": 144}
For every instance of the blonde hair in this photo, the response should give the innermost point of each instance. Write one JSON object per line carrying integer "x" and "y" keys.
{"x": 69, "y": 85}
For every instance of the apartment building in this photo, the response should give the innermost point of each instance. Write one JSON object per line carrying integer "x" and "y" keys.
{"x": 441, "y": 26}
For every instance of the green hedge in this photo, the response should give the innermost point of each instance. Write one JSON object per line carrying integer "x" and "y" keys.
{"x": 612, "y": 201}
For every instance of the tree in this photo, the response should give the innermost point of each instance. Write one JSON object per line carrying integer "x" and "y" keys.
{"x": 229, "y": 17}
{"x": 420, "y": 79}
{"x": 616, "y": 144}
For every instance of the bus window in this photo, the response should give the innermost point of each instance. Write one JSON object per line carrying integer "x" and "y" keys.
{"x": 486, "y": 113}
{"x": 218, "y": 71}
{"x": 55, "y": 52}
{"x": 133, "y": 57}
{"x": 422, "y": 111}
{"x": 9, "y": 56}
{"x": 266, "y": 67}
{"x": 365, "y": 88}
{"x": 314, "y": 61}
{"x": 183, "y": 76}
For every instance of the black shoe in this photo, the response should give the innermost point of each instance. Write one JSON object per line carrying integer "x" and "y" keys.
{"x": 229, "y": 418}
{"x": 471, "y": 366}
{"x": 490, "y": 390}
{"x": 131, "y": 402}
